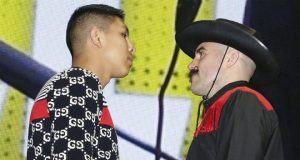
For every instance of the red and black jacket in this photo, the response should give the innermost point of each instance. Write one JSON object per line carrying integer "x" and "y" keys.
{"x": 238, "y": 124}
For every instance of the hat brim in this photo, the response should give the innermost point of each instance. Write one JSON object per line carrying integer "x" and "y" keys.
{"x": 267, "y": 69}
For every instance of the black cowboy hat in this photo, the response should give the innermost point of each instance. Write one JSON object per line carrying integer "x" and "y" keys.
{"x": 235, "y": 35}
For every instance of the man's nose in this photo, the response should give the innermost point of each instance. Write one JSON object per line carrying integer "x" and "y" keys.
{"x": 192, "y": 65}
{"x": 131, "y": 48}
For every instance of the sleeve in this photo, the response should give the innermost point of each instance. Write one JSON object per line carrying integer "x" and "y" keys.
{"x": 274, "y": 150}
{"x": 245, "y": 128}
{"x": 74, "y": 111}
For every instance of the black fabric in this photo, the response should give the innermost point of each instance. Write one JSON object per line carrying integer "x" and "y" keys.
{"x": 278, "y": 22}
{"x": 73, "y": 127}
{"x": 247, "y": 130}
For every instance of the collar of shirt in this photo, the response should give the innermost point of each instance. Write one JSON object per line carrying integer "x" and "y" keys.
{"x": 222, "y": 91}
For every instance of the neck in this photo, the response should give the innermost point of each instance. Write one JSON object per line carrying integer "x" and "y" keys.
{"x": 215, "y": 88}
{"x": 95, "y": 67}
{"x": 225, "y": 80}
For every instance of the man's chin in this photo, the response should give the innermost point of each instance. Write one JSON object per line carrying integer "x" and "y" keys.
{"x": 195, "y": 91}
{"x": 122, "y": 74}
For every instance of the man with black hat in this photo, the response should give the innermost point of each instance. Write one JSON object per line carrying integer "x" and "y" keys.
{"x": 238, "y": 122}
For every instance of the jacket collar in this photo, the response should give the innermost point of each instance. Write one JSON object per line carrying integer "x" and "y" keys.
{"x": 222, "y": 91}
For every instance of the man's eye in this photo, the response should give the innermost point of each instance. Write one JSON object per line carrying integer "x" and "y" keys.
{"x": 124, "y": 35}
{"x": 203, "y": 53}
{"x": 200, "y": 52}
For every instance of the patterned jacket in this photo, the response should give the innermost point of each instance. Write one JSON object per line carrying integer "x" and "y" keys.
{"x": 70, "y": 120}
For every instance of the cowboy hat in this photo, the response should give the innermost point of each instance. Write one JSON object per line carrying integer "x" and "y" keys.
{"x": 235, "y": 35}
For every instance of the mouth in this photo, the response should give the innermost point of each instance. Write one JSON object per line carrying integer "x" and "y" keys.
{"x": 191, "y": 74}
{"x": 130, "y": 60}
{"x": 190, "y": 77}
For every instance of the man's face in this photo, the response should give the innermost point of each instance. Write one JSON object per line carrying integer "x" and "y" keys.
{"x": 204, "y": 67}
{"x": 118, "y": 49}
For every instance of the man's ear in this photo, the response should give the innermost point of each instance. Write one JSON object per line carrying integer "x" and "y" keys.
{"x": 232, "y": 57}
{"x": 97, "y": 37}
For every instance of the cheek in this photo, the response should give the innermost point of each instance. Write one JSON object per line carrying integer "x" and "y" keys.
{"x": 117, "y": 41}
{"x": 203, "y": 67}
{"x": 206, "y": 71}
{"x": 116, "y": 49}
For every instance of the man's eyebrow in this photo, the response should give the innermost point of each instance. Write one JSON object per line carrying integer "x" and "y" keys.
{"x": 126, "y": 29}
{"x": 201, "y": 48}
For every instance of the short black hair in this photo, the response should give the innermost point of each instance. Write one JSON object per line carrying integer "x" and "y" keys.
{"x": 82, "y": 14}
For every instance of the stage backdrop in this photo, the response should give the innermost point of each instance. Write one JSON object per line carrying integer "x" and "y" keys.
{"x": 37, "y": 29}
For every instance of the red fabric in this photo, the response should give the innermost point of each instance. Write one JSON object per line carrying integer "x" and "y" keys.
{"x": 106, "y": 118}
{"x": 260, "y": 97}
{"x": 211, "y": 117}
{"x": 39, "y": 110}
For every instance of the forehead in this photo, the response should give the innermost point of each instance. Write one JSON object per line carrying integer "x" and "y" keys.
{"x": 119, "y": 23}
{"x": 210, "y": 45}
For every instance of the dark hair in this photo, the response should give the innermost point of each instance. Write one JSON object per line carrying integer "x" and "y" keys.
{"x": 82, "y": 14}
